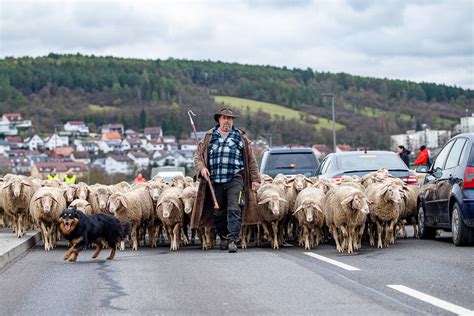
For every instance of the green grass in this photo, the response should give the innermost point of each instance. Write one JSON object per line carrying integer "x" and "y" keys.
{"x": 274, "y": 110}
{"x": 371, "y": 112}
{"x": 100, "y": 108}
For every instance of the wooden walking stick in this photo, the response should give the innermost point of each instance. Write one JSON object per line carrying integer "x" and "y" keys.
{"x": 213, "y": 194}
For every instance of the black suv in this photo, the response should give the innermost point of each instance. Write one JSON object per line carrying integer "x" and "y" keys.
{"x": 446, "y": 199}
{"x": 289, "y": 161}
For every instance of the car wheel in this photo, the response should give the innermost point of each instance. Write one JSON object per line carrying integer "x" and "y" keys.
{"x": 462, "y": 234}
{"x": 424, "y": 231}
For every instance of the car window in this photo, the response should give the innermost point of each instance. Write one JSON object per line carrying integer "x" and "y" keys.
{"x": 321, "y": 167}
{"x": 369, "y": 162}
{"x": 455, "y": 153}
{"x": 292, "y": 161}
{"x": 325, "y": 166}
{"x": 441, "y": 158}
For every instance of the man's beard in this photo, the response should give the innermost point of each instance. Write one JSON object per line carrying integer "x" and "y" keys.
{"x": 225, "y": 127}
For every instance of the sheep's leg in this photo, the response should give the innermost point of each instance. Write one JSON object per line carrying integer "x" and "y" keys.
{"x": 50, "y": 237}
{"x": 345, "y": 235}
{"x": 193, "y": 236}
{"x": 44, "y": 233}
{"x": 370, "y": 230}
{"x": 258, "y": 236}
{"x": 336, "y": 238}
{"x": 151, "y": 236}
{"x": 184, "y": 237}
{"x": 176, "y": 233}
{"x": 350, "y": 236}
{"x": 360, "y": 235}
{"x": 161, "y": 238}
{"x": 391, "y": 231}
{"x": 403, "y": 229}
{"x": 415, "y": 230}
{"x": 306, "y": 233}
{"x": 19, "y": 219}
{"x": 266, "y": 232}
{"x": 122, "y": 245}
{"x": 275, "y": 235}
{"x": 317, "y": 236}
{"x": 134, "y": 238}
{"x": 379, "y": 235}
{"x": 2, "y": 222}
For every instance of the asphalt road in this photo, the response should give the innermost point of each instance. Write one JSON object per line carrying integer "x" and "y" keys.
{"x": 253, "y": 281}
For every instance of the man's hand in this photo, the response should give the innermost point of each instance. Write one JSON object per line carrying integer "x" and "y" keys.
{"x": 205, "y": 173}
{"x": 255, "y": 186}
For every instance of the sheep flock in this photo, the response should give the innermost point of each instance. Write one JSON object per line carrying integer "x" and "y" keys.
{"x": 309, "y": 211}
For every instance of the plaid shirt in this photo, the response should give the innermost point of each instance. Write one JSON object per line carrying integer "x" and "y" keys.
{"x": 225, "y": 155}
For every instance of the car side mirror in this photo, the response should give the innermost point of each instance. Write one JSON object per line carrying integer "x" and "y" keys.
{"x": 438, "y": 173}
{"x": 422, "y": 169}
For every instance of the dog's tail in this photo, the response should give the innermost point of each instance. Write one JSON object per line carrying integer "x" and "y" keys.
{"x": 125, "y": 228}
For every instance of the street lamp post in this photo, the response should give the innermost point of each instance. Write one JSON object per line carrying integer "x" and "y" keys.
{"x": 333, "y": 118}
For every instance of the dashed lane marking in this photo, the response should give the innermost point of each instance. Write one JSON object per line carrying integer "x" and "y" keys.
{"x": 332, "y": 261}
{"x": 432, "y": 300}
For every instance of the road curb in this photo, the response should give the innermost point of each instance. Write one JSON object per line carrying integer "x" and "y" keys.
{"x": 16, "y": 251}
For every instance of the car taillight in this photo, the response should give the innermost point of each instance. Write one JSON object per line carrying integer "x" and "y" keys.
{"x": 469, "y": 178}
{"x": 411, "y": 179}
{"x": 337, "y": 179}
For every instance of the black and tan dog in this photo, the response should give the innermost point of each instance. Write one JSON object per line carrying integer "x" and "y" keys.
{"x": 81, "y": 230}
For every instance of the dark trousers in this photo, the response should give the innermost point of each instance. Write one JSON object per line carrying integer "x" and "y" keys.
{"x": 228, "y": 218}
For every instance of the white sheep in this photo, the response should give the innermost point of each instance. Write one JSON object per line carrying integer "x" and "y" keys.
{"x": 17, "y": 192}
{"x": 310, "y": 216}
{"x": 272, "y": 208}
{"x": 45, "y": 207}
{"x": 345, "y": 210}
{"x": 134, "y": 207}
{"x": 170, "y": 211}
{"x": 385, "y": 199}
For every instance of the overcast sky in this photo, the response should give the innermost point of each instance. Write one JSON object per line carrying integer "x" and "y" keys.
{"x": 415, "y": 40}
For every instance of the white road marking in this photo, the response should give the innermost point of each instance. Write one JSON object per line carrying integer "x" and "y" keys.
{"x": 432, "y": 300}
{"x": 331, "y": 261}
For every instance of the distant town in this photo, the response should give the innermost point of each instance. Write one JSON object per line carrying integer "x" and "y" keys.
{"x": 125, "y": 152}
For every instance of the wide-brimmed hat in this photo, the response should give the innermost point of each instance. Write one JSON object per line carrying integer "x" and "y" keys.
{"x": 224, "y": 111}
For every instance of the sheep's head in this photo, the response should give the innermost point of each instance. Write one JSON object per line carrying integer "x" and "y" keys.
{"x": 178, "y": 182}
{"x": 167, "y": 206}
{"x": 299, "y": 182}
{"x": 102, "y": 194}
{"x": 391, "y": 192}
{"x": 309, "y": 208}
{"x": 70, "y": 192}
{"x": 47, "y": 202}
{"x": 265, "y": 179}
{"x": 117, "y": 202}
{"x": 273, "y": 200}
{"x": 81, "y": 205}
{"x": 16, "y": 185}
{"x": 324, "y": 185}
{"x": 188, "y": 196}
{"x": 155, "y": 189}
{"x": 82, "y": 191}
{"x": 357, "y": 202}
{"x": 188, "y": 182}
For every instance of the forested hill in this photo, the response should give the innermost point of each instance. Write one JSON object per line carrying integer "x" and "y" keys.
{"x": 54, "y": 89}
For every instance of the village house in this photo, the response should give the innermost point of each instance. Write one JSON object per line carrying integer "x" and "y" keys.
{"x": 89, "y": 146}
{"x": 131, "y": 144}
{"x": 81, "y": 156}
{"x": 16, "y": 142}
{"x": 20, "y": 165}
{"x": 16, "y": 121}
{"x": 187, "y": 144}
{"x": 140, "y": 159}
{"x": 77, "y": 128}
{"x": 112, "y": 128}
{"x": 154, "y": 145}
{"x": 4, "y": 148}
{"x": 55, "y": 141}
{"x": 34, "y": 142}
{"x": 153, "y": 132}
{"x": 118, "y": 164}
